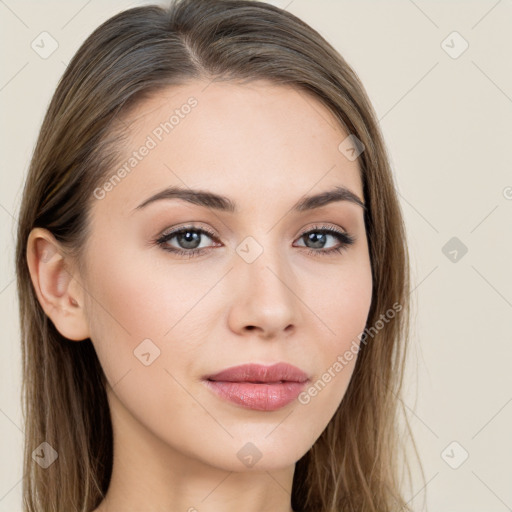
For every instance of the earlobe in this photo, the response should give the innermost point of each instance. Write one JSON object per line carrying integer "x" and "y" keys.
{"x": 58, "y": 291}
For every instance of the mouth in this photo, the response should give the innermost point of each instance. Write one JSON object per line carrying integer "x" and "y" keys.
{"x": 258, "y": 387}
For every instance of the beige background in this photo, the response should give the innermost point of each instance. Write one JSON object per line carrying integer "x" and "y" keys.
{"x": 448, "y": 124}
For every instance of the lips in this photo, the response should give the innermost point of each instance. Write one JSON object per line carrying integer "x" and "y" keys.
{"x": 258, "y": 387}
{"x": 256, "y": 373}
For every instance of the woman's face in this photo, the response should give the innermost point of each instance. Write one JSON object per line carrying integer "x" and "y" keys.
{"x": 263, "y": 287}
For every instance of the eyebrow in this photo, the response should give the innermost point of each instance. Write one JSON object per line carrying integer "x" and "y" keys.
{"x": 225, "y": 204}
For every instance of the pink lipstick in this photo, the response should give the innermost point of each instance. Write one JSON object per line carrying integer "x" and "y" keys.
{"x": 259, "y": 387}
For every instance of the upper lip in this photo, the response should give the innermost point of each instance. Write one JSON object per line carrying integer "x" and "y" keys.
{"x": 279, "y": 372}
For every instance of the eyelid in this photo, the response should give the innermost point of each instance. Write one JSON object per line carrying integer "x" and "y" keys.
{"x": 329, "y": 228}
{"x": 192, "y": 226}
{"x": 189, "y": 225}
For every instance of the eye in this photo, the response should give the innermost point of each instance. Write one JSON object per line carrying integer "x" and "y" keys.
{"x": 318, "y": 235}
{"x": 189, "y": 238}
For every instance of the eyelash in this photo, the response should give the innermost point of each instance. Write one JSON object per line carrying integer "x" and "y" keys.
{"x": 344, "y": 238}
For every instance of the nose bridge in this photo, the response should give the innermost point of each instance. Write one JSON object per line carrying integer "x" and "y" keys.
{"x": 265, "y": 291}
{"x": 264, "y": 261}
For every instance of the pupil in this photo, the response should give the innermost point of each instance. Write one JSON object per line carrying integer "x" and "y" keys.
{"x": 318, "y": 240}
{"x": 191, "y": 239}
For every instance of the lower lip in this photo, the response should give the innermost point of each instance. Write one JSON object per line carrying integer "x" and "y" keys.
{"x": 259, "y": 397}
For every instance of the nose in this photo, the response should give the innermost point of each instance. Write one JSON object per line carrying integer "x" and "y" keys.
{"x": 265, "y": 298}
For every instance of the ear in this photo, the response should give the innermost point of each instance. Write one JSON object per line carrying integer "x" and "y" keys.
{"x": 59, "y": 292}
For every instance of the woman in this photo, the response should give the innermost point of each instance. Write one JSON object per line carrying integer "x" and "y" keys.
{"x": 212, "y": 272}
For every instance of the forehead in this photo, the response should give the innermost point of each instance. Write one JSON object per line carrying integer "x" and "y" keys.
{"x": 234, "y": 139}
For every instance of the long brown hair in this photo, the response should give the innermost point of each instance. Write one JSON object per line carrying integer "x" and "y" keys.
{"x": 354, "y": 464}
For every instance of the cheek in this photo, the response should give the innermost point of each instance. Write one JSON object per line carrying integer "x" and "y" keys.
{"x": 343, "y": 303}
{"x": 148, "y": 295}
{"x": 139, "y": 304}
{"x": 349, "y": 305}
{"x": 342, "y": 311}
{"x": 145, "y": 331}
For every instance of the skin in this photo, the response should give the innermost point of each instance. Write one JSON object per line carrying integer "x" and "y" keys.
{"x": 176, "y": 443}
